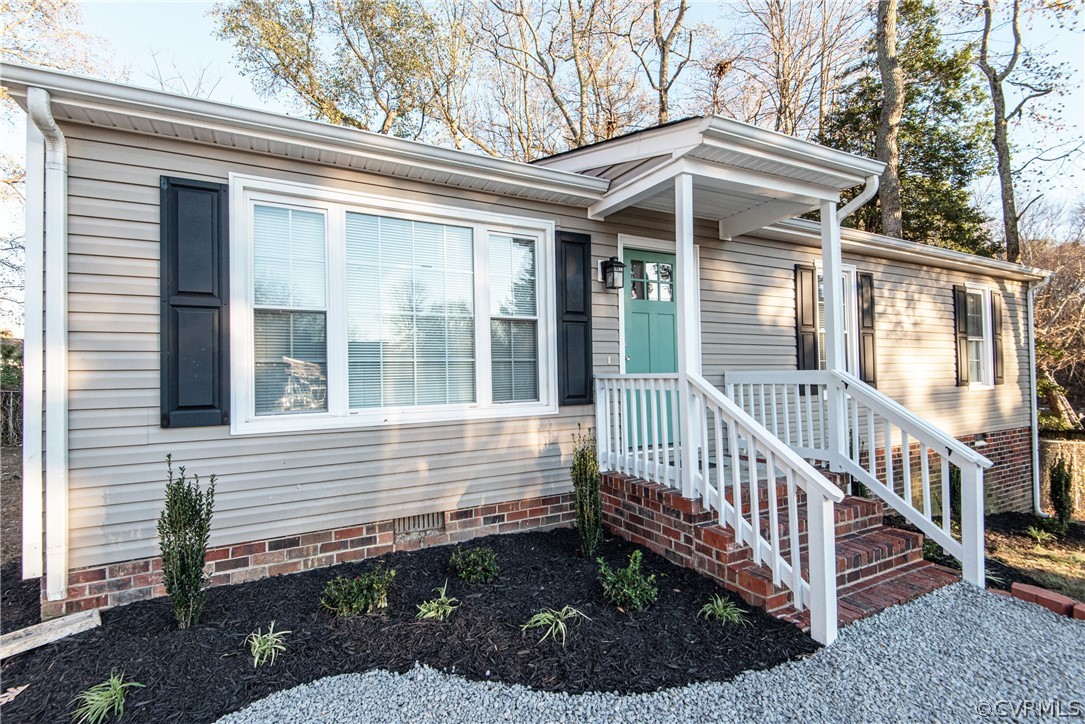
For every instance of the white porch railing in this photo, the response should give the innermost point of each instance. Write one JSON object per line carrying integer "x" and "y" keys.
{"x": 743, "y": 472}
{"x": 910, "y": 464}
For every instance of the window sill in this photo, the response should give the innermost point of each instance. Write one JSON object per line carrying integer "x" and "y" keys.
{"x": 301, "y": 423}
{"x": 979, "y": 387}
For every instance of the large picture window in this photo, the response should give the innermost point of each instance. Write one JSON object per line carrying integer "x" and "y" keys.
{"x": 371, "y": 311}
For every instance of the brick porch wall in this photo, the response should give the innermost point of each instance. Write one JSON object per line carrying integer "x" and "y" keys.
{"x": 120, "y": 583}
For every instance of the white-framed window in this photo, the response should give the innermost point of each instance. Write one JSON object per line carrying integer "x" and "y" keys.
{"x": 353, "y": 310}
{"x": 851, "y": 321}
{"x": 980, "y": 336}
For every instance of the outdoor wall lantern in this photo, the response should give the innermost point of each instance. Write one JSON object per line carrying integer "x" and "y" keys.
{"x": 613, "y": 273}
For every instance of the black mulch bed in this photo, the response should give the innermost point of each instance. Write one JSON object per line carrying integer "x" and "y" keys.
{"x": 1000, "y": 575}
{"x": 205, "y": 672}
{"x": 18, "y": 599}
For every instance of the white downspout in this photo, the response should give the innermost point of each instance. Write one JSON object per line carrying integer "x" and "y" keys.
{"x": 1032, "y": 289}
{"x": 56, "y": 344}
{"x": 33, "y": 364}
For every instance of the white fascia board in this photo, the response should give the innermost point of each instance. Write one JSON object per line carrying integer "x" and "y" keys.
{"x": 123, "y": 99}
{"x": 808, "y": 233}
{"x": 673, "y": 140}
{"x": 743, "y": 134}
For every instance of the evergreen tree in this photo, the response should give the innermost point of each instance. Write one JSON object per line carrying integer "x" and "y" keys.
{"x": 943, "y": 136}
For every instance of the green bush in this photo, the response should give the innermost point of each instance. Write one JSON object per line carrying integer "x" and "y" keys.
{"x": 589, "y": 505}
{"x": 628, "y": 588}
{"x": 1061, "y": 481}
{"x": 345, "y": 596}
{"x": 474, "y": 565}
{"x": 183, "y": 530}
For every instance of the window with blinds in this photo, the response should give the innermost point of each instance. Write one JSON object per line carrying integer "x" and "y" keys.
{"x": 410, "y": 312}
{"x": 375, "y": 311}
{"x": 290, "y": 311}
{"x": 514, "y": 345}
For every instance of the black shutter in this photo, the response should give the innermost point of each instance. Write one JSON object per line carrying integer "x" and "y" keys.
{"x": 868, "y": 357}
{"x": 194, "y": 321}
{"x": 806, "y": 324}
{"x": 996, "y": 332}
{"x": 960, "y": 326}
{"x": 574, "y": 318}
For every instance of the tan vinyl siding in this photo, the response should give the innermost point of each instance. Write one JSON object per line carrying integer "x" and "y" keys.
{"x": 269, "y": 485}
{"x": 285, "y": 484}
{"x": 748, "y": 323}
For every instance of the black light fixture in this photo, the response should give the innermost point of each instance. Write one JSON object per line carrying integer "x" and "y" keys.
{"x": 613, "y": 273}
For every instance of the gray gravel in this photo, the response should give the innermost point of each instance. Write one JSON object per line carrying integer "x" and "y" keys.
{"x": 958, "y": 653}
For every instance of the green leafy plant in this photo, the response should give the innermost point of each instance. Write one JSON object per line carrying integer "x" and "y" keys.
{"x": 723, "y": 610}
{"x": 931, "y": 550}
{"x": 1061, "y": 481}
{"x": 556, "y": 623}
{"x": 183, "y": 529}
{"x": 266, "y": 646}
{"x": 589, "y": 504}
{"x": 1039, "y": 535}
{"x": 438, "y": 608}
{"x": 628, "y": 588}
{"x": 345, "y": 596}
{"x": 103, "y": 700}
{"x": 474, "y": 565}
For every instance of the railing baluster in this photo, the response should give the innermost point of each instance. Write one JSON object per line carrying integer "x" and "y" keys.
{"x": 889, "y": 455}
{"x": 855, "y": 442}
{"x": 775, "y": 422}
{"x": 642, "y": 405}
{"x": 906, "y": 471}
{"x": 947, "y": 503}
{"x": 755, "y": 498}
{"x": 764, "y": 415}
{"x": 798, "y": 414}
{"x": 736, "y": 484}
{"x": 774, "y": 516}
{"x": 676, "y": 428}
{"x": 793, "y": 530}
{"x": 706, "y": 463}
{"x": 721, "y": 481}
{"x": 665, "y": 432}
{"x": 656, "y": 462}
{"x": 924, "y": 466}
{"x": 871, "y": 444}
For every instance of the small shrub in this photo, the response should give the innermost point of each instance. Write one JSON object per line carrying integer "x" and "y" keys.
{"x": 438, "y": 608}
{"x": 628, "y": 588}
{"x": 345, "y": 596}
{"x": 266, "y": 646}
{"x": 555, "y": 623}
{"x": 102, "y": 701}
{"x": 183, "y": 529}
{"x": 589, "y": 505}
{"x": 1061, "y": 481}
{"x": 723, "y": 610}
{"x": 474, "y": 565}
{"x": 1039, "y": 535}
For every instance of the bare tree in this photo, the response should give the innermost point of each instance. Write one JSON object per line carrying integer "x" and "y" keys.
{"x": 886, "y": 145}
{"x": 658, "y": 45}
{"x": 1028, "y": 77}
{"x": 196, "y": 82}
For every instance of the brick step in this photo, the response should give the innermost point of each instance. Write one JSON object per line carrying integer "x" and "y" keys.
{"x": 853, "y": 514}
{"x": 873, "y": 595}
{"x": 859, "y": 556}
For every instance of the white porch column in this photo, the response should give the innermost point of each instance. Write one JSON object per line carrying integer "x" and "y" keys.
{"x": 834, "y": 330}
{"x": 689, "y": 359}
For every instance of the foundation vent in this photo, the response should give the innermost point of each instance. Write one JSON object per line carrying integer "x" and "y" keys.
{"x": 420, "y": 523}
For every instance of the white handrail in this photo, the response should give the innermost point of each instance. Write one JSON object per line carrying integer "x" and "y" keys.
{"x": 902, "y": 417}
{"x": 740, "y": 470}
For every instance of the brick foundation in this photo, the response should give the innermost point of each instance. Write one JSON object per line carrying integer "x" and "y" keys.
{"x": 120, "y": 583}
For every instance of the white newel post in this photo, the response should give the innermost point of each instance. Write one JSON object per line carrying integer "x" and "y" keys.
{"x": 822, "y": 554}
{"x": 688, "y": 359}
{"x": 835, "y": 359}
{"x": 972, "y": 524}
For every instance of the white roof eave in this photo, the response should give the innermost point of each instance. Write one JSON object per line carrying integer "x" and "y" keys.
{"x": 117, "y": 98}
{"x": 809, "y": 233}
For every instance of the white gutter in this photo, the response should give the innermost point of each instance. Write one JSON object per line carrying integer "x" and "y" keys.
{"x": 33, "y": 364}
{"x": 56, "y": 344}
{"x": 871, "y": 188}
{"x": 1032, "y": 289}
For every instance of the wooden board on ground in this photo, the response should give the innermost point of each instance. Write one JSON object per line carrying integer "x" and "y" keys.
{"x": 47, "y": 632}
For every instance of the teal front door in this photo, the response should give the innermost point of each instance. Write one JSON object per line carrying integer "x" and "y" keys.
{"x": 651, "y": 314}
{"x": 651, "y": 342}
